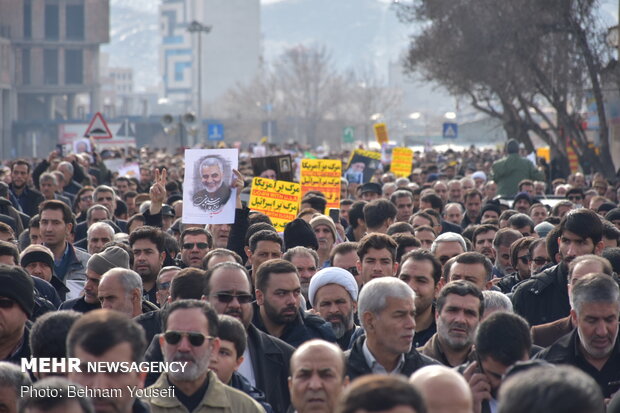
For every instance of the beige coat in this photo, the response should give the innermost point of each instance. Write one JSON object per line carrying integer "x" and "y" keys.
{"x": 218, "y": 398}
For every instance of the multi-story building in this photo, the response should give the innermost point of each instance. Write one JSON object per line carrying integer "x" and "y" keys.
{"x": 230, "y": 51}
{"x": 56, "y": 48}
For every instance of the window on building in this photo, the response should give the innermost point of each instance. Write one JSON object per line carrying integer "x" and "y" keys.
{"x": 50, "y": 66}
{"x": 26, "y": 66}
{"x": 27, "y": 19}
{"x": 51, "y": 22}
{"x": 74, "y": 67}
{"x": 75, "y": 22}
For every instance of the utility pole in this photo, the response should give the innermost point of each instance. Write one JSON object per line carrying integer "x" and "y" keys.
{"x": 199, "y": 28}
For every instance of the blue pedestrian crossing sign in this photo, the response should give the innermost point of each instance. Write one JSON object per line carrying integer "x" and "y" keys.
{"x": 215, "y": 132}
{"x": 450, "y": 130}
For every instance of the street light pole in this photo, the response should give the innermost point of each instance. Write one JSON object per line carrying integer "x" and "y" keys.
{"x": 197, "y": 27}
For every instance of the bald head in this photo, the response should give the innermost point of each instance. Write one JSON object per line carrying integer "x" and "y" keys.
{"x": 443, "y": 389}
{"x": 317, "y": 377}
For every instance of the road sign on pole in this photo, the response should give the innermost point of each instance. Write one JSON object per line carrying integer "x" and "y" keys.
{"x": 215, "y": 132}
{"x": 348, "y": 134}
{"x": 450, "y": 130}
{"x": 98, "y": 128}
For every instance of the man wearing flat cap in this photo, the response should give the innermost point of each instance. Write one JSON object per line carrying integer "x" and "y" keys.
{"x": 333, "y": 294}
{"x": 16, "y": 306}
{"x": 98, "y": 264}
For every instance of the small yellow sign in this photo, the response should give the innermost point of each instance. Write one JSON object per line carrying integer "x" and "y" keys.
{"x": 402, "y": 161}
{"x": 381, "y": 133}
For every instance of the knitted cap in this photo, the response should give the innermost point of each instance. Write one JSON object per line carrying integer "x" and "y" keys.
{"x": 324, "y": 220}
{"x": 111, "y": 257}
{"x": 36, "y": 253}
{"x": 299, "y": 233}
{"x": 16, "y": 284}
{"x": 332, "y": 275}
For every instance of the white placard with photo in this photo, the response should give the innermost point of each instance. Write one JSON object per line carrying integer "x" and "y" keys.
{"x": 207, "y": 194}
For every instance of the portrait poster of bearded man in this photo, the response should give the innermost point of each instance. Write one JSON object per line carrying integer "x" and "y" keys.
{"x": 208, "y": 192}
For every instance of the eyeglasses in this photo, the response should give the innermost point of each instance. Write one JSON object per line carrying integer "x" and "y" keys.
{"x": 524, "y": 259}
{"x": 353, "y": 271}
{"x": 540, "y": 260}
{"x": 195, "y": 339}
{"x": 6, "y": 303}
{"x": 226, "y": 298}
{"x": 190, "y": 245}
{"x": 163, "y": 286}
{"x": 86, "y": 198}
{"x": 575, "y": 198}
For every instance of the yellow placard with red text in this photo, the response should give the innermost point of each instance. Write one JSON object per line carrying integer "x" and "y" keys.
{"x": 322, "y": 175}
{"x": 381, "y": 133}
{"x": 402, "y": 161}
{"x": 279, "y": 200}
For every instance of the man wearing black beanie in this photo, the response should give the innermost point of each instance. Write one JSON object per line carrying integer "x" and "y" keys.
{"x": 16, "y": 306}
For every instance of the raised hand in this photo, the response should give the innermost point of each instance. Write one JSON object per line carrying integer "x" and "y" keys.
{"x": 157, "y": 192}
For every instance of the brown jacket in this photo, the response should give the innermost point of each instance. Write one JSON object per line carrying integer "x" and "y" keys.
{"x": 545, "y": 335}
{"x": 432, "y": 349}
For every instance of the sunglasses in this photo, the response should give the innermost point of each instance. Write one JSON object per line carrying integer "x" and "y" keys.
{"x": 195, "y": 339}
{"x": 353, "y": 271}
{"x": 163, "y": 286}
{"x": 540, "y": 260}
{"x": 226, "y": 298}
{"x": 575, "y": 198}
{"x": 524, "y": 259}
{"x": 6, "y": 303}
{"x": 190, "y": 245}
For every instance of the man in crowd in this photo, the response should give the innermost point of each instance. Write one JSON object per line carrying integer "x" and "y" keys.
{"x": 377, "y": 257}
{"x": 453, "y": 213}
{"x": 502, "y": 339}
{"x": 108, "y": 336}
{"x": 97, "y": 236}
{"x": 344, "y": 255}
{"x": 278, "y": 293}
{"x": 264, "y": 245}
{"x": 98, "y": 264}
{"x": 195, "y": 243}
{"x": 28, "y": 198}
{"x": 266, "y": 358}
{"x": 318, "y": 377}
{"x": 444, "y": 390}
{"x": 386, "y": 309}
{"x": 544, "y": 297}
{"x": 482, "y": 240}
{"x": 501, "y": 250}
{"x": 473, "y": 205}
{"x": 221, "y": 233}
{"x": 325, "y": 232}
{"x": 56, "y": 225}
{"x": 357, "y": 225}
{"x": 333, "y": 295}
{"x": 191, "y": 334}
{"x": 17, "y": 305}
{"x": 448, "y": 245}
{"x": 459, "y": 309}
{"x": 422, "y": 272}
{"x": 379, "y": 215}
{"x": 307, "y": 263}
{"x": 470, "y": 266}
{"x": 147, "y": 245}
{"x": 510, "y": 170}
{"x": 120, "y": 289}
{"x": 593, "y": 346}
{"x": 403, "y": 201}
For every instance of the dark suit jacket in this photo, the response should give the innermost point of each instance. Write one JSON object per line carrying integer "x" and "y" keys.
{"x": 545, "y": 335}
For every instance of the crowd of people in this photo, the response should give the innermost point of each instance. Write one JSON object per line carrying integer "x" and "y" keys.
{"x": 480, "y": 282}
